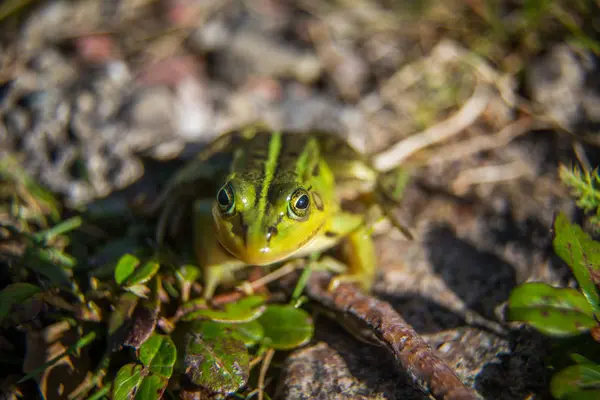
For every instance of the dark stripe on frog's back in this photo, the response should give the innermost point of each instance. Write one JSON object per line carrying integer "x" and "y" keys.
{"x": 256, "y": 161}
{"x": 250, "y": 156}
{"x": 295, "y": 157}
{"x": 299, "y": 153}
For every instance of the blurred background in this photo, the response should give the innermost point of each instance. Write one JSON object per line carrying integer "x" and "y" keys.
{"x": 88, "y": 86}
{"x": 481, "y": 100}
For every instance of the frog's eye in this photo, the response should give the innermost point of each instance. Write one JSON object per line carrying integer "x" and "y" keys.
{"x": 226, "y": 200}
{"x": 299, "y": 204}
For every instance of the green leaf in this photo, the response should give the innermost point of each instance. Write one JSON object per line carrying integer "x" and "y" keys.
{"x": 188, "y": 273}
{"x": 100, "y": 394}
{"x": 142, "y": 274}
{"x": 132, "y": 276}
{"x": 17, "y": 293}
{"x": 128, "y": 379}
{"x": 47, "y": 262}
{"x": 579, "y": 359}
{"x": 576, "y": 380}
{"x": 245, "y": 310}
{"x": 158, "y": 354}
{"x": 553, "y": 311}
{"x": 51, "y": 256}
{"x": 152, "y": 387}
{"x": 250, "y": 333}
{"x": 150, "y": 380}
{"x": 125, "y": 267}
{"x": 59, "y": 229}
{"x": 139, "y": 290}
{"x": 581, "y": 253}
{"x": 286, "y": 327}
{"x": 186, "y": 276}
{"x": 539, "y": 294}
{"x": 214, "y": 359}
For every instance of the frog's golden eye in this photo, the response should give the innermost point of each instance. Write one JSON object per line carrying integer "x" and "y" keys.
{"x": 226, "y": 199}
{"x": 299, "y": 205}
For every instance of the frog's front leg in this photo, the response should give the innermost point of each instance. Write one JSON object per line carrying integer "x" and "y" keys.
{"x": 358, "y": 252}
{"x": 217, "y": 264}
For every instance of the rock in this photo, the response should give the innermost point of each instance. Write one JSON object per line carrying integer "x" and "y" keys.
{"x": 193, "y": 109}
{"x": 153, "y": 107}
{"x": 339, "y": 367}
{"x": 265, "y": 57}
{"x": 69, "y": 121}
{"x": 558, "y": 82}
{"x": 346, "y": 66}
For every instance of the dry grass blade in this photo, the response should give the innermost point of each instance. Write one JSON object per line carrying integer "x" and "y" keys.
{"x": 467, "y": 115}
{"x": 490, "y": 174}
{"x": 414, "y": 355}
{"x": 250, "y": 288}
{"x": 484, "y": 143}
{"x": 263, "y": 373}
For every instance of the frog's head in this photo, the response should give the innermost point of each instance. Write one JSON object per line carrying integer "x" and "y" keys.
{"x": 262, "y": 225}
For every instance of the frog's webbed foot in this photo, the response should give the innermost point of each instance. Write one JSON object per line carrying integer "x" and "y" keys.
{"x": 359, "y": 253}
{"x": 348, "y": 278}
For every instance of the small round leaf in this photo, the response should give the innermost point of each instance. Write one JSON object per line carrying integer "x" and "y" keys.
{"x": 214, "y": 359}
{"x": 158, "y": 354}
{"x": 127, "y": 381}
{"x": 125, "y": 267}
{"x": 245, "y": 310}
{"x": 575, "y": 379}
{"x": 553, "y": 311}
{"x": 286, "y": 327}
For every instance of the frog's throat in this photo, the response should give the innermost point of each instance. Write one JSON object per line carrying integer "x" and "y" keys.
{"x": 260, "y": 252}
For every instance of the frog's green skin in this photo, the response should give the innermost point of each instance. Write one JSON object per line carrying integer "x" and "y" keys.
{"x": 275, "y": 199}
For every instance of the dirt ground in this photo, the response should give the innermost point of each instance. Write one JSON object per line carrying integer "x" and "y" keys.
{"x": 97, "y": 96}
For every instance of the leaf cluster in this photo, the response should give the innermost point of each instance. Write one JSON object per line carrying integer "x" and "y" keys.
{"x": 566, "y": 312}
{"x": 124, "y": 318}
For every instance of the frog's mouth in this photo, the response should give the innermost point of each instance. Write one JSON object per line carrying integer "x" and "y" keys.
{"x": 258, "y": 250}
{"x": 261, "y": 255}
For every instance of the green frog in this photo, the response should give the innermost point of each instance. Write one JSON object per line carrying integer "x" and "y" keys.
{"x": 276, "y": 197}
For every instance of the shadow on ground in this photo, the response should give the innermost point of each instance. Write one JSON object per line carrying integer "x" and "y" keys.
{"x": 424, "y": 315}
{"x": 481, "y": 279}
{"x": 519, "y": 373}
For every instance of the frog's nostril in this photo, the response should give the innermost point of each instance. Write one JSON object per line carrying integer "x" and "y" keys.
{"x": 271, "y": 231}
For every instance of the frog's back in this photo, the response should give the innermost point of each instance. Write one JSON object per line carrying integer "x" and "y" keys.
{"x": 279, "y": 158}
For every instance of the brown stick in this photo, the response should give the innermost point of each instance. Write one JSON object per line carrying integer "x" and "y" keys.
{"x": 414, "y": 354}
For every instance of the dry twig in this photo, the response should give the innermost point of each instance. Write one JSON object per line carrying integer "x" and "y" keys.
{"x": 414, "y": 355}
